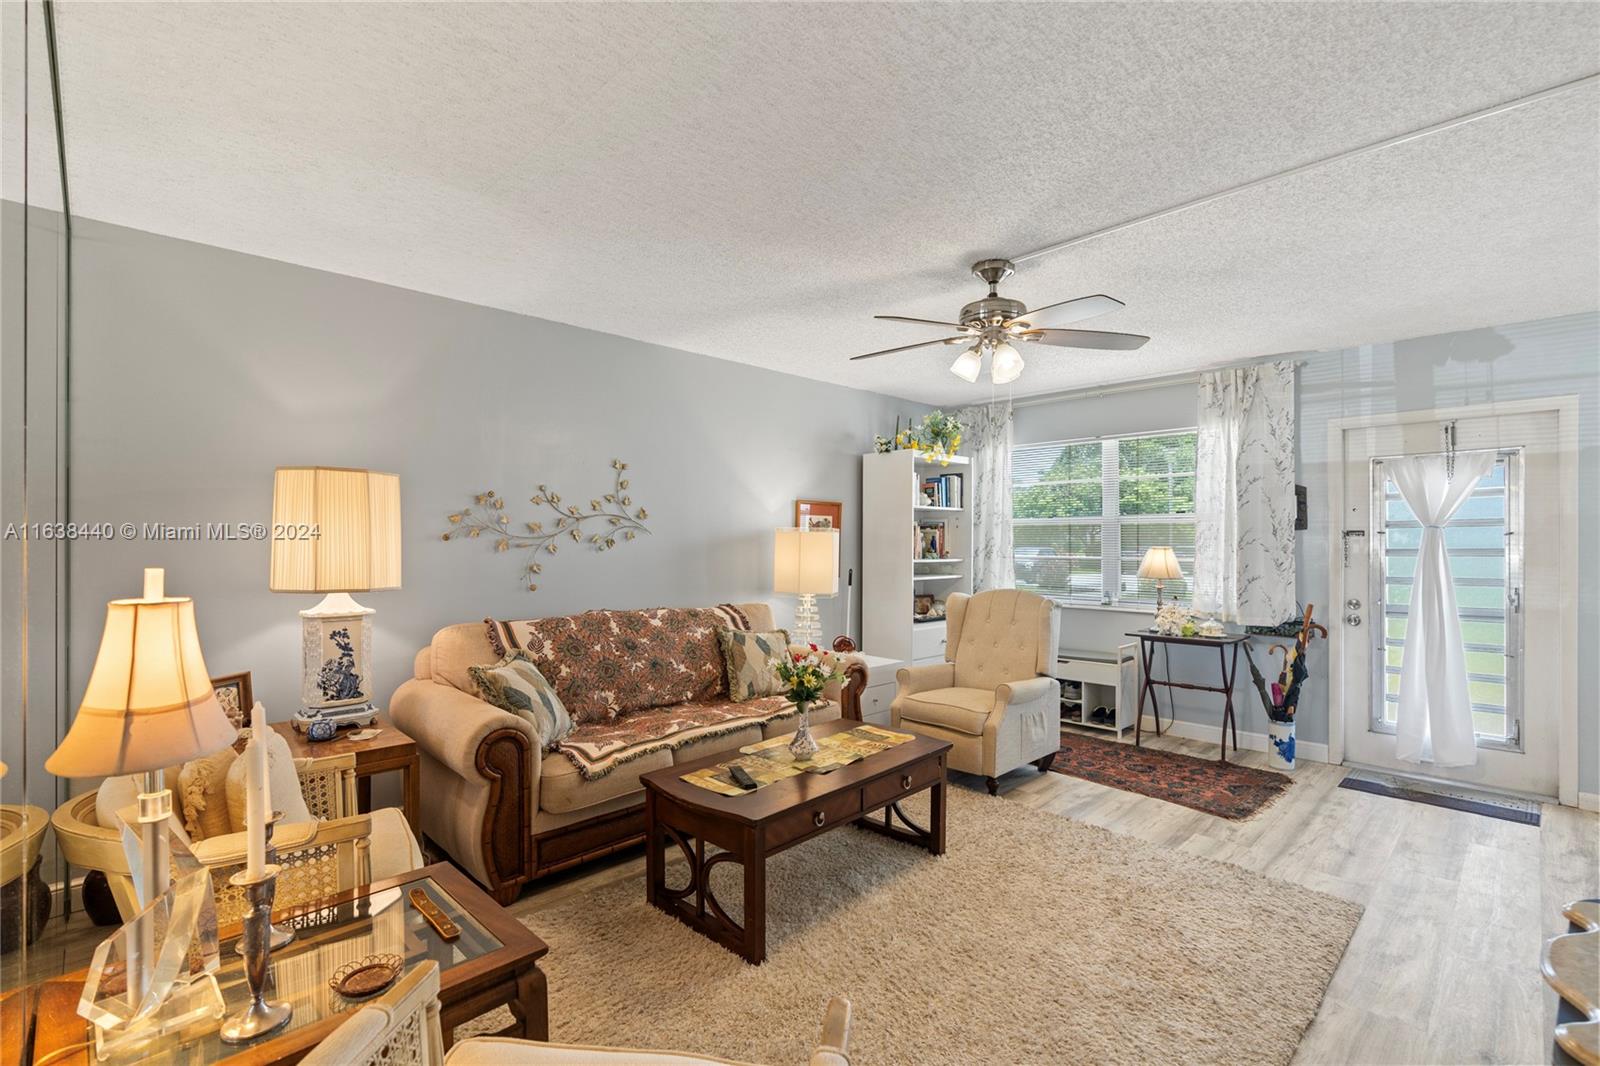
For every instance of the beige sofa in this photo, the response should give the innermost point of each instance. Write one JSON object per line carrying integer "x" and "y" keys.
{"x": 509, "y": 813}
{"x": 992, "y": 698}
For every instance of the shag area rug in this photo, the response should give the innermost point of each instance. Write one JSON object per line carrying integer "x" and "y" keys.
{"x": 1035, "y": 939}
{"x": 1224, "y": 789}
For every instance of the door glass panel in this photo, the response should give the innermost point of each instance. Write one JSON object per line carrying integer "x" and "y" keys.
{"x": 1480, "y": 541}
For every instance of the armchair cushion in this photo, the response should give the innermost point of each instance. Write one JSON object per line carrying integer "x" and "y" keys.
{"x": 966, "y": 710}
{"x": 283, "y": 785}
{"x": 1029, "y": 691}
{"x": 394, "y": 848}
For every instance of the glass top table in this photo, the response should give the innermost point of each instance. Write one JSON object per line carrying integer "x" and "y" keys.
{"x": 493, "y": 950}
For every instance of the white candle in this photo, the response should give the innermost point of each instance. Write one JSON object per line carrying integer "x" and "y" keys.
{"x": 256, "y": 800}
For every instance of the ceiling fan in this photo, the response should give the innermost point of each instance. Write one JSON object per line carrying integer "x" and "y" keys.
{"x": 990, "y": 325}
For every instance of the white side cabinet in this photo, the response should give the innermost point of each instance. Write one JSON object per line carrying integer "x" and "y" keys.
{"x": 880, "y": 690}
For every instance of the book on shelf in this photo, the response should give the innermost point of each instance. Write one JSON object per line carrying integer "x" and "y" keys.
{"x": 941, "y": 491}
{"x": 930, "y": 542}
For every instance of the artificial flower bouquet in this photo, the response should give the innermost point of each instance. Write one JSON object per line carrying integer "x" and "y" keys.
{"x": 805, "y": 673}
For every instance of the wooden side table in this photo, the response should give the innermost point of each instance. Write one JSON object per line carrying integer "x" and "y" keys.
{"x": 389, "y": 750}
{"x": 1147, "y": 685}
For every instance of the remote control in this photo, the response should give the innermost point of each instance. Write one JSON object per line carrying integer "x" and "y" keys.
{"x": 437, "y": 918}
{"x": 742, "y": 778}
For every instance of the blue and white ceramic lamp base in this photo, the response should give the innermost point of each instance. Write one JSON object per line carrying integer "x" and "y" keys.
{"x": 335, "y": 666}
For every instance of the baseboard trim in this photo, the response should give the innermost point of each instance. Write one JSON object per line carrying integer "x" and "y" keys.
{"x": 1589, "y": 801}
{"x": 1304, "y": 750}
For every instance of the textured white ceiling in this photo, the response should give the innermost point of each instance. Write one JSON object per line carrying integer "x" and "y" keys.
{"x": 755, "y": 181}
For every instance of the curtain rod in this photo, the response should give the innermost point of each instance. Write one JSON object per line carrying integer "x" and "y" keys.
{"x": 1190, "y": 378}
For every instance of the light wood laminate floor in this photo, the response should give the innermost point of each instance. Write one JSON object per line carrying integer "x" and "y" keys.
{"x": 1444, "y": 967}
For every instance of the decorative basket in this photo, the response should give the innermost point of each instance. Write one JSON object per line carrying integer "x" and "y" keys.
{"x": 367, "y": 977}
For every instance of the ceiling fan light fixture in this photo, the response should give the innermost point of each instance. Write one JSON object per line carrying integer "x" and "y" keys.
{"x": 968, "y": 364}
{"x": 1006, "y": 366}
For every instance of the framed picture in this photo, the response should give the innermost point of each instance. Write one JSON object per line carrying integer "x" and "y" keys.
{"x": 819, "y": 514}
{"x": 233, "y": 692}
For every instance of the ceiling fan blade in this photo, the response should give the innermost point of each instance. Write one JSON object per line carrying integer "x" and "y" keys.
{"x": 908, "y": 347}
{"x": 1087, "y": 338}
{"x": 920, "y": 321}
{"x": 1068, "y": 311}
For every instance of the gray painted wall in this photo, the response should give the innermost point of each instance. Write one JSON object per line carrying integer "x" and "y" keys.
{"x": 197, "y": 370}
{"x": 1551, "y": 357}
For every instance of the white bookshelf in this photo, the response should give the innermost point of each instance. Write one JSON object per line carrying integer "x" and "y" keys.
{"x": 891, "y": 572}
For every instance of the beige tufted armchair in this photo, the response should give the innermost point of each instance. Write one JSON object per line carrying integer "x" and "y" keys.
{"x": 992, "y": 698}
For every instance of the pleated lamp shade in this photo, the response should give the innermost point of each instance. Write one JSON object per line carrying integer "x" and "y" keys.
{"x": 1160, "y": 564}
{"x": 806, "y": 561}
{"x": 334, "y": 530}
{"x": 149, "y": 704}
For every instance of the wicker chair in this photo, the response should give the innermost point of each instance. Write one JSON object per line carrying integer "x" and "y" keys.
{"x": 318, "y": 858}
{"x": 402, "y": 1029}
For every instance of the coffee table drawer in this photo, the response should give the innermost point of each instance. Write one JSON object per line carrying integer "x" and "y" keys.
{"x": 901, "y": 783}
{"x": 814, "y": 817}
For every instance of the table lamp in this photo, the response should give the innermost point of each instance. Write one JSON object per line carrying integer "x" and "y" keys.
{"x": 1162, "y": 565}
{"x": 335, "y": 531}
{"x": 805, "y": 562}
{"x": 149, "y": 705}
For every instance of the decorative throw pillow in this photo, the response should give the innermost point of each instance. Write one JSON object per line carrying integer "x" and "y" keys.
{"x": 283, "y": 785}
{"x": 515, "y": 684}
{"x": 203, "y": 795}
{"x": 750, "y": 658}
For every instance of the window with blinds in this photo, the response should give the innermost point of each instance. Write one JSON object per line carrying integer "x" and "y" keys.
{"x": 1084, "y": 513}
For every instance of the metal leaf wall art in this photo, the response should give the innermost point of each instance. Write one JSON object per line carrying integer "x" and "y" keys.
{"x": 598, "y": 527}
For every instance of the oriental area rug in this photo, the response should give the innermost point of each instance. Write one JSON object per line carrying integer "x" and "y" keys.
{"x": 1224, "y": 789}
{"x": 1035, "y": 939}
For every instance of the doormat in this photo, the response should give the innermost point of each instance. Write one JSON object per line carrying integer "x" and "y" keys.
{"x": 1452, "y": 797}
{"x": 1223, "y": 789}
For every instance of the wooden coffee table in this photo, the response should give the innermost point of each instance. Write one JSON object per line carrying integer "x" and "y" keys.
{"x": 750, "y": 828}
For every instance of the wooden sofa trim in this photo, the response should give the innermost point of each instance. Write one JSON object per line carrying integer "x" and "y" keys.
{"x": 513, "y": 855}
{"x": 505, "y": 759}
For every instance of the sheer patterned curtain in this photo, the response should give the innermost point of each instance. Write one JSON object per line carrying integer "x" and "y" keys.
{"x": 1244, "y": 494}
{"x": 987, "y": 428}
{"x": 1434, "y": 722}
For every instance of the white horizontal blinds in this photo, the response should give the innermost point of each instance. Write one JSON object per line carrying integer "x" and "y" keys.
{"x": 1155, "y": 505}
{"x": 1476, "y": 540}
{"x": 1084, "y": 512}
{"x": 1057, "y": 504}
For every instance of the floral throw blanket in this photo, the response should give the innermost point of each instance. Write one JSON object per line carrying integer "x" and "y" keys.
{"x": 609, "y": 664}
{"x": 598, "y": 748}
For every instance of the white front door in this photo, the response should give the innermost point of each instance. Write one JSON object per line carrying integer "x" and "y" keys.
{"x": 1505, "y": 554}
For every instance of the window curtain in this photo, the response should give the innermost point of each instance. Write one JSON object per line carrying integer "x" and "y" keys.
{"x": 987, "y": 428}
{"x": 1435, "y": 715}
{"x": 1244, "y": 494}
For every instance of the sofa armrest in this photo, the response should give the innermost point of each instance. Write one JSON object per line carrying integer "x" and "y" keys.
{"x": 914, "y": 679}
{"x": 480, "y": 770}
{"x": 1035, "y": 688}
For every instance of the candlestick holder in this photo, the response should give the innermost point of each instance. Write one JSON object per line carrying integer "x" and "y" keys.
{"x": 260, "y": 1017}
{"x": 282, "y": 936}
